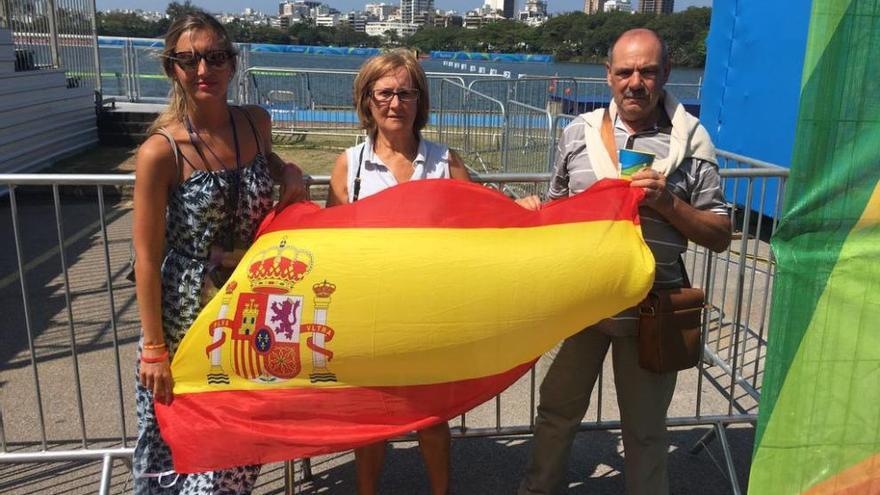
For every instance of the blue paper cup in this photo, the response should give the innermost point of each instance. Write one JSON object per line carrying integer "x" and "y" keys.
{"x": 631, "y": 161}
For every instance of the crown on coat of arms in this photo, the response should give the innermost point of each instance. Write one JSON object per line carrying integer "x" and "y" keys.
{"x": 324, "y": 289}
{"x": 277, "y": 269}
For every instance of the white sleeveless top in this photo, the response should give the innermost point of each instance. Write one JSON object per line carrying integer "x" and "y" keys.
{"x": 432, "y": 162}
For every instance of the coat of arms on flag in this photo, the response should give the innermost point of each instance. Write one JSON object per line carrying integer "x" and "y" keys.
{"x": 260, "y": 342}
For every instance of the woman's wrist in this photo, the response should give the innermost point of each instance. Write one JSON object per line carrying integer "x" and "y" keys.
{"x": 154, "y": 352}
{"x": 160, "y": 358}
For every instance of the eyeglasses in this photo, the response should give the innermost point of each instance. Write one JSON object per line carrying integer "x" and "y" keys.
{"x": 191, "y": 60}
{"x": 386, "y": 95}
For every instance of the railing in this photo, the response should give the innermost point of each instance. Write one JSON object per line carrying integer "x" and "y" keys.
{"x": 530, "y": 142}
{"x": 69, "y": 342}
{"x": 315, "y": 101}
{"x": 473, "y": 124}
{"x": 537, "y": 91}
{"x": 55, "y": 34}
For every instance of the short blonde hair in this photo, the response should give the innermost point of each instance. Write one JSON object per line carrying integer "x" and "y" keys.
{"x": 377, "y": 67}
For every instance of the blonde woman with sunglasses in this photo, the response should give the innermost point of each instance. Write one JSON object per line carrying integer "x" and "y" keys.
{"x": 204, "y": 181}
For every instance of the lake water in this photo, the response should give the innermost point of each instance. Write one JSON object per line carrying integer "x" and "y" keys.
{"x": 152, "y": 85}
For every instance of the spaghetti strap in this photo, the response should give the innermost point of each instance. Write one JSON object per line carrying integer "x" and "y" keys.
{"x": 253, "y": 128}
{"x": 174, "y": 149}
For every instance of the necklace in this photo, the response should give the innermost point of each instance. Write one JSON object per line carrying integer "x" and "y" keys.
{"x": 233, "y": 197}
{"x": 195, "y": 137}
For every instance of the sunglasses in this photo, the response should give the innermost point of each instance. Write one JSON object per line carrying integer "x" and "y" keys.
{"x": 191, "y": 60}
{"x": 386, "y": 95}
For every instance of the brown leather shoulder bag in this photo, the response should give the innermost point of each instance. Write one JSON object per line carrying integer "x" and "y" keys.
{"x": 671, "y": 328}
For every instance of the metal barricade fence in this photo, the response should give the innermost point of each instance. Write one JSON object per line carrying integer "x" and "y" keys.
{"x": 55, "y": 34}
{"x": 309, "y": 101}
{"x": 738, "y": 281}
{"x": 537, "y": 91}
{"x": 315, "y": 101}
{"x": 529, "y": 145}
{"x": 471, "y": 123}
{"x": 71, "y": 331}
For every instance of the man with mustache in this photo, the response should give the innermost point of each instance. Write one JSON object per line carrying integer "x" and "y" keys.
{"x": 683, "y": 201}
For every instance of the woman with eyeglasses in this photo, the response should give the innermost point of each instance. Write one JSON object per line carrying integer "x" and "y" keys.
{"x": 204, "y": 182}
{"x": 391, "y": 98}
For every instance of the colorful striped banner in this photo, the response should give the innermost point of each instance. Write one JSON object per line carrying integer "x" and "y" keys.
{"x": 819, "y": 424}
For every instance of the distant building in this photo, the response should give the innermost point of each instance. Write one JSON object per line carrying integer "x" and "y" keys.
{"x": 618, "y": 6}
{"x": 536, "y": 8}
{"x": 327, "y": 20}
{"x": 380, "y": 28}
{"x": 357, "y": 21}
{"x": 322, "y": 9}
{"x": 301, "y": 7}
{"x": 504, "y": 7}
{"x": 417, "y": 12}
{"x": 656, "y": 6}
{"x": 594, "y": 6}
{"x": 381, "y": 11}
{"x": 447, "y": 19}
{"x": 534, "y": 13}
{"x": 476, "y": 19}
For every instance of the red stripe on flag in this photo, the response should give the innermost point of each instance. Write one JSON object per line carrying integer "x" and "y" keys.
{"x": 215, "y": 430}
{"x": 459, "y": 204}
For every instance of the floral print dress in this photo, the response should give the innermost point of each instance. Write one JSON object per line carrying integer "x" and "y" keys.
{"x": 198, "y": 215}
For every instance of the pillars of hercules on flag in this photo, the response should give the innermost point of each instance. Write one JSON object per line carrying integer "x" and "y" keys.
{"x": 320, "y": 355}
{"x": 218, "y": 337}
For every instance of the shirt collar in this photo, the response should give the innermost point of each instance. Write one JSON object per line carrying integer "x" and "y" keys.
{"x": 663, "y": 124}
{"x": 371, "y": 156}
{"x": 421, "y": 154}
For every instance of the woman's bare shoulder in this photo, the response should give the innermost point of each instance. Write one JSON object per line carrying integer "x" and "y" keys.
{"x": 155, "y": 157}
{"x": 257, "y": 113}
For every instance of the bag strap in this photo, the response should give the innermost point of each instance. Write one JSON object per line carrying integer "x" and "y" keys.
{"x": 607, "y": 134}
{"x": 174, "y": 149}
{"x": 357, "y": 177}
{"x": 684, "y": 273}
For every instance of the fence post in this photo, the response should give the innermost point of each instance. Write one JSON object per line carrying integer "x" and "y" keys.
{"x": 93, "y": 14}
{"x": 551, "y": 144}
{"x": 505, "y": 131}
{"x": 440, "y": 113}
{"x": 241, "y": 71}
{"x": 7, "y": 15}
{"x": 126, "y": 68}
{"x": 53, "y": 34}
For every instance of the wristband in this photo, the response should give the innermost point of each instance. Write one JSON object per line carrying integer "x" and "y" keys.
{"x": 153, "y": 347}
{"x": 154, "y": 360}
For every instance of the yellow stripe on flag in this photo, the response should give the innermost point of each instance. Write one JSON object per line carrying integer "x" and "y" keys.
{"x": 408, "y": 304}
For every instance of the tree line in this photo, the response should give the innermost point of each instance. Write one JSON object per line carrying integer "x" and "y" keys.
{"x": 574, "y": 37}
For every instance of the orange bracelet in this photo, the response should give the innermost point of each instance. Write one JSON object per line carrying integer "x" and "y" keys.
{"x": 153, "y": 347}
{"x": 154, "y": 360}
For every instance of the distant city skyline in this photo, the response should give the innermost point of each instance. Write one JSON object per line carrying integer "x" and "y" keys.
{"x": 271, "y": 6}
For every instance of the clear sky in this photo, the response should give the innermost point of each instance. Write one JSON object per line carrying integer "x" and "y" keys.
{"x": 271, "y": 6}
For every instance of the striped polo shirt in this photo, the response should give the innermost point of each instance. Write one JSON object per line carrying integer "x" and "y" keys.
{"x": 696, "y": 182}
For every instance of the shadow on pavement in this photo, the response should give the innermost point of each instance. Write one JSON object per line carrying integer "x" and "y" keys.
{"x": 496, "y": 466}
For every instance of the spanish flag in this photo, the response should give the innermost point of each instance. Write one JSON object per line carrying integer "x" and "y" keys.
{"x": 349, "y": 325}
